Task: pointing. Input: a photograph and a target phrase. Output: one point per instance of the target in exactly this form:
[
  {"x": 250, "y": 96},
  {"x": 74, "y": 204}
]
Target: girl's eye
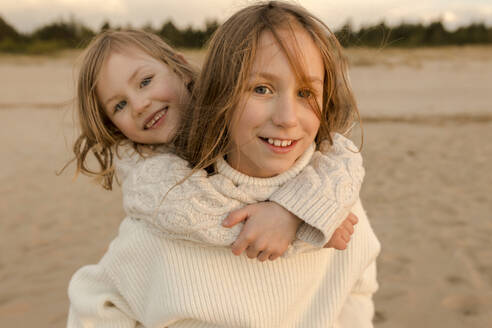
[
  {"x": 145, "y": 82},
  {"x": 262, "y": 90},
  {"x": 119, "y": 106},
  {"x": 304, "y": 93}
]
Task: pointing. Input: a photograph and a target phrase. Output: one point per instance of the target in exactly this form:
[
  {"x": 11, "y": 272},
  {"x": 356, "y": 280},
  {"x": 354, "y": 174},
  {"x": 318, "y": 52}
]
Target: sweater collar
[{"x": 239, "y": 178}]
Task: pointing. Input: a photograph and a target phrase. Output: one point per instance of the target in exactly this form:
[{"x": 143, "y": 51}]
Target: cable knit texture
[
  {"x": 321, "y": 195},
  {"x": 165, "y": 272}
]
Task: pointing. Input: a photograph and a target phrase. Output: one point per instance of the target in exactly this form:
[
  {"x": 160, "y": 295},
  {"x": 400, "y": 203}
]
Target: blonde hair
[
  {"x": 99, "y": 135},
  {"x": 205, "y": 135}
]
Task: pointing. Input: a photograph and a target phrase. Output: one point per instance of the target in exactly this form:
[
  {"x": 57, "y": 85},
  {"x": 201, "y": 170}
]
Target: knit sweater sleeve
[
  {"x": 323, "y": 193},
  {"x": 96, "y": 299},
  {"x": 162, "y": 192}
]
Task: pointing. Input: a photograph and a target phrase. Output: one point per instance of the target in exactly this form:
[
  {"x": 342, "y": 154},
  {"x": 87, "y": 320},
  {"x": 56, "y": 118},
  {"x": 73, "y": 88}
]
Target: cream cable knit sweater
[
  {"x": 156, "y": 276},
  {"x": 321, "y": 194}
]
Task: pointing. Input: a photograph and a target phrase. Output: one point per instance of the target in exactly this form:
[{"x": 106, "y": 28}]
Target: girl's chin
[{"x": 163, "y": 135}]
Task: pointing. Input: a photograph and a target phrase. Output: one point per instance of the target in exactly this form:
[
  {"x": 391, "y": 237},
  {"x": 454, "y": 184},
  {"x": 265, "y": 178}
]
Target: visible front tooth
[
  {"x": 277, "y": 143},
  {"x": 289, "y": 142},
  {"x": 155, "y": 119},
  {"x": 284, "y": 143},
  {"x": 270, "y": 141}
]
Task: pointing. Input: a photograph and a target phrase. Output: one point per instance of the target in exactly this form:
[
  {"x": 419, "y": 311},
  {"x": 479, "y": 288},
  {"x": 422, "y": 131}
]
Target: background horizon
[{"x": 27, "y": 15}]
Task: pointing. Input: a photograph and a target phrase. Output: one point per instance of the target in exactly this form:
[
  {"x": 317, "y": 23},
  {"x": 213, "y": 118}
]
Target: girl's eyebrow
[
  {"x": 110, "y": 100},
  {"x": 135, "y": 73},
  {"x": 132, "y": 77},
  {"x": 264, "y": 75},
  {"x": 315, "y": 80}
]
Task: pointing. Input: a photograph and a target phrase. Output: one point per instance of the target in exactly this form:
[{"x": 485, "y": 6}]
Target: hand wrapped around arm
[{"x": 323, "y": 193}]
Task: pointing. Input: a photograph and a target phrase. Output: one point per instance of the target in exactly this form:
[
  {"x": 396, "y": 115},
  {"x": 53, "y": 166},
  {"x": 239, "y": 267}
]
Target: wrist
[{"x": 296, "y": 220}]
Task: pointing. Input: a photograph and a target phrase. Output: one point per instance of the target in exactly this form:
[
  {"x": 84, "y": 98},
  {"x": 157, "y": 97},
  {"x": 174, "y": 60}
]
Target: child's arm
[
  {"x": 341, "y": 237},
  {"x": 269, "y": 230},
  {"x": 325, "y": 191},
  {"x": 191, "y": 210},
  {"x": 321, "y": 195},
  {"x": 160, "y": 191}
]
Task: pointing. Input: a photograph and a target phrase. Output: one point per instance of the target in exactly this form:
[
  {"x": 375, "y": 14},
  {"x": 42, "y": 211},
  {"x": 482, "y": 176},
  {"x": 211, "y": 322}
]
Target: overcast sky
[{"x": 26, "y": 15}]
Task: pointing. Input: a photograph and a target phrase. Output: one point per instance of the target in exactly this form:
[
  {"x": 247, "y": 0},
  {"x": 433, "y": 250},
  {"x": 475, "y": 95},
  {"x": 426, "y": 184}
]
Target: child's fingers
[
  {"x": 344, "y": 235},
  {"x": 276, "y": 252},
  {"x": 252, "y": 251},
  {"x": 264, "y": 255},
  {"x": 336, "y": 241},
  {"x": 353, "y": 218},
  {"x": 256, "y": 249},
  {"x": 235, "y": 217},
  {"x": 238, "y": 248},
  {"x": 339, "y": 243},
  {"x": 242, "y": 242},
  {"x": 348, "y": 227}
]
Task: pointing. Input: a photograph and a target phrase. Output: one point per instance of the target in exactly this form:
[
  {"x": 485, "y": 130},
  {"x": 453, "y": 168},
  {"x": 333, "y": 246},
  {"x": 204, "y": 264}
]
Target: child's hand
[
  {"x": 267, "y": 233},
  {"x": 341, "y": 236}
]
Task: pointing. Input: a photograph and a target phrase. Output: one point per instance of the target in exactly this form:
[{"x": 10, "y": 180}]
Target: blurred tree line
[
  {"x": 414, "y": 35},
  {"x": 73, "y": 34}
]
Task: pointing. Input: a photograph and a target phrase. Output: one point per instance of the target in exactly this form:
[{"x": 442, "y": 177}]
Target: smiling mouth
[
  {"x": 279, "y": 142},
  {"x": 154, "y": 120}
]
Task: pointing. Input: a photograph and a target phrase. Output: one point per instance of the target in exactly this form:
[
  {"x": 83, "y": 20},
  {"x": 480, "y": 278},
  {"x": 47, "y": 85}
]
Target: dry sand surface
[{"x": 427, "y": 151}]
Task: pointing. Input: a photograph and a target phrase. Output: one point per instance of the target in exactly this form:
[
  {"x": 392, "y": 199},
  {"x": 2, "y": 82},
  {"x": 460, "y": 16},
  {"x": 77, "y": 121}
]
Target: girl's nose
[
  {"x": 140, "y": 105},
  {"x": 285, "y": 113}
]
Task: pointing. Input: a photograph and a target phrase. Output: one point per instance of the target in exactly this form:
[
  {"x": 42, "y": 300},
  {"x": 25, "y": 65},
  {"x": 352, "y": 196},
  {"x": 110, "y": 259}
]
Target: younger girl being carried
[
  {"x": 258, "y": 118},
  {"x": 132, "y": 91}
]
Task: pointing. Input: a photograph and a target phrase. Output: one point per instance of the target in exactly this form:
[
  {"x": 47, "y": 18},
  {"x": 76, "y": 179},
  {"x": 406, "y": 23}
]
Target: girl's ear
[{"x": 181, "y": 58}]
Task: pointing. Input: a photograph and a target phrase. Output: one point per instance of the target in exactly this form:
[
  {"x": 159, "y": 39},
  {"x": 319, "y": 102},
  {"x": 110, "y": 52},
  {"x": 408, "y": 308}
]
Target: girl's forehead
[
  {"x": 296, "y": 44},
  {"x": 121, "y": 62},
  {"x": 131, "y": 52},
  {"x": 295, "y": 41}
]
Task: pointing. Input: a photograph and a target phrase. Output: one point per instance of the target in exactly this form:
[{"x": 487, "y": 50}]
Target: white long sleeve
[{"x": 96, "y": 302}]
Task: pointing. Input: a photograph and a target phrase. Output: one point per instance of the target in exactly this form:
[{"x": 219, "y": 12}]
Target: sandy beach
[{"x": 427, "y": 116}]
